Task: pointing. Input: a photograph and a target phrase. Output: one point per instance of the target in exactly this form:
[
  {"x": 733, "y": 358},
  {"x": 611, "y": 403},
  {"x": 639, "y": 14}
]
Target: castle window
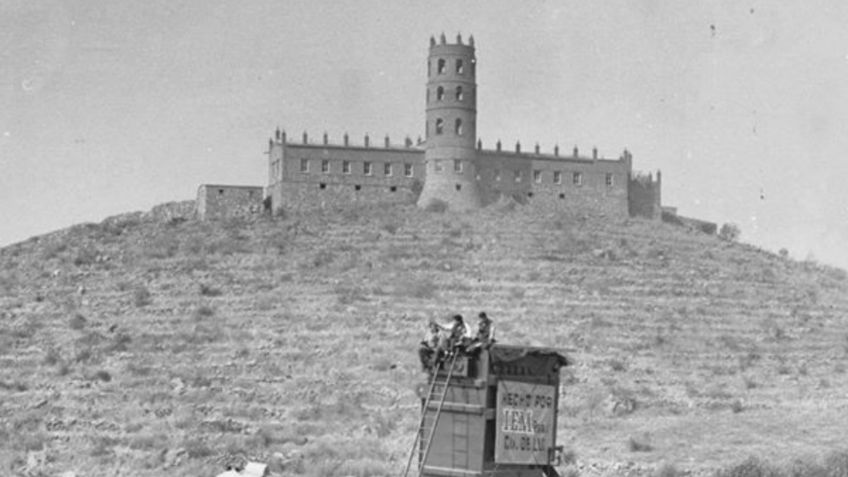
[
  {"x": 608, "y": 180},
  {"x": 459, "y": 67},
  {"x": 577, "y": 178},
  {"x": 387, "y": 168},
  {"x": 457, "y": 166},
  {"x": 325, "y": 166},
  {"x": 562, "y": 196},
  {"x": 529, "y": 194},
  {"x": 557, "y": 177},
  {"x": 220, "y": 191},
  {"x": 440, "y": 125},
  {"x": 517, "y": 176},
  {"x": 537, "y": 176},
  {"x": 437, "y": 165},
  {"x": 457, "y": 127},
  {"x": 304, "y": 165},
  {"x": 440, "y": 93},
  {"x": 458, "y": 187},
  {"x": 407, "y": 169},
  {"x": 322, "y": 186},
  {"x": 428, "y": 95},
  {"x": 429, "y": 68},
  {"x": 441, "y": 68},
  {"x": 346, "y": 167},
  {"x": 366, "y": 168},
  {"x": 357, "y": 187},
  {"x": 459, "y": 93},
  {"x": 497, "y": 175}
]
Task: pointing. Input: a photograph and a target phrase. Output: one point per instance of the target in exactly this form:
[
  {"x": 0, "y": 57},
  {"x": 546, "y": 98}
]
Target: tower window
[
  {"x": 387, "y": 168},
  {"x": 562, "y": 196},
  {"x": 407, "y": 169},
  {"x": 458, "y": 187},
  {"x": 428, "y": 95},
  {"x": 608, "y": 180},
  {"x": 517, "y": 176},
  {"x": 459, "y": 67},
  {"x": 357, "y": 187},
  {"x": 346, "y": 167},
  {"x": 459, "y": 93},
  {"x": 537, "y": 176},
  {"x": 457, "y": 127},
  {"x": 437, "y": 165},
  {"x": 220, "y": 191},
  {"x": 366, "y": 168},
  {"x": 577, "y": 178},
  {"x": 322, "y": 186},
  {"x": 393, "y": 189},
  {"x": 557, "y": 177},
  {"x": 457, "y": 166},
  {"x": 440, "y": 93},
  {"x": 304, "y": 165},
  {"x": 429, "y": 68},
  {"x": 441, "y": 68},
  {"x": 325, "y": 166},
  {"x": 440, "y": 125},
  {"x": 497, "y": 175}
]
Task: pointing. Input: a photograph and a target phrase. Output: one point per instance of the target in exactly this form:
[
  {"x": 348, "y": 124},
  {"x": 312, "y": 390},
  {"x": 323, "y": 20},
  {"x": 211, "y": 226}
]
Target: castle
[{"x": 449, "y": 168}]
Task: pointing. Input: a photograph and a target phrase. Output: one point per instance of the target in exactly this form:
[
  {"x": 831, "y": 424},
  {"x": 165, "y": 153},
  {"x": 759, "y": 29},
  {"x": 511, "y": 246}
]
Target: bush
[
  {"x": 437, "y": 206},
  {"x": 637, "y": 445},
  {"x": 142, "y": 297},
  {"x": 77, "y": 322},
  {"x": 729, "y": 232},
  {"x": 206, "y": 290}
]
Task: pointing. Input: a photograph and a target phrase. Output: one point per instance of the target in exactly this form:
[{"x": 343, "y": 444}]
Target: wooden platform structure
[{"x": 492, "y": 413}]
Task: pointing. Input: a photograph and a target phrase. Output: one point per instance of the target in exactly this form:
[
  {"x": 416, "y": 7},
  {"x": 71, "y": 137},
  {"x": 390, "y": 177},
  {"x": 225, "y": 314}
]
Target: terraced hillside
[{"x": 145, "y": 347}]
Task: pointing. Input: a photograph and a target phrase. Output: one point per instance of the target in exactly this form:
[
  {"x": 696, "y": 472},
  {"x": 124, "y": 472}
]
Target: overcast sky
[{"x": 111, "y": 107}]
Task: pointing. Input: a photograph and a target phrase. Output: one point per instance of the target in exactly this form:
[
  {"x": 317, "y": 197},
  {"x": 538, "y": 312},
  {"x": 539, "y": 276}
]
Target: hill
[{"x": 145, "y": 345}]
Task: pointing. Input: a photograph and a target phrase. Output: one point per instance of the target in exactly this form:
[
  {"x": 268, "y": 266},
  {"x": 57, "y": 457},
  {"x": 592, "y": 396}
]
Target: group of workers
[{"x": 455, "y": 337}]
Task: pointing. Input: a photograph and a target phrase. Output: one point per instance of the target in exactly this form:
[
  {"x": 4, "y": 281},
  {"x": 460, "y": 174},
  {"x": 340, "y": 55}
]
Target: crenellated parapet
[{"x": 281, "y": 139}]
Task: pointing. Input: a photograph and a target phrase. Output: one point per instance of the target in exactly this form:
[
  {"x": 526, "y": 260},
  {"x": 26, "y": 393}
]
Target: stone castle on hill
[{"x": 448, "y": 168}]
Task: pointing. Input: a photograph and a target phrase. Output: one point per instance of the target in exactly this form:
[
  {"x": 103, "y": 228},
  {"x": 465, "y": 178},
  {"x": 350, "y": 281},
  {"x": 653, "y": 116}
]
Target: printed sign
[{"x": 525, "y": 423}]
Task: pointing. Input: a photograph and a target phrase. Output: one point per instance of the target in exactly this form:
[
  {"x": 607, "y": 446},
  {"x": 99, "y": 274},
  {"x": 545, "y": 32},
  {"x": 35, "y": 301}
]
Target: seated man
[
  {"x": 485, "y": 333},
  {"x": 429, "y": 350}
]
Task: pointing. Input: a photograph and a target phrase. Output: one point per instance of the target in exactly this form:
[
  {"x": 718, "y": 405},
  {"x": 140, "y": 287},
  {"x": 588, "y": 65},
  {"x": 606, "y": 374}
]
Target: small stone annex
[{"x": 449, "y": 167}]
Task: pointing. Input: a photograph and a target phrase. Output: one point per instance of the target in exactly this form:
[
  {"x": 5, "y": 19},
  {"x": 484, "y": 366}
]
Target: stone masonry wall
[{"x": 224, "y": 201}]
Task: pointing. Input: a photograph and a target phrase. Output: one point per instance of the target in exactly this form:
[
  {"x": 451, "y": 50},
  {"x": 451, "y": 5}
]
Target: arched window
[
  {"x": 428, "y": 95},
  {"x": 426, "y": 128},
  {"x": 440, "y": 93},
  {"x": 441, "y": 68},
  {"x": 459, "y": 67},
  {"x": 440, "y": 125},
  {"x": 429, "y": 68},
  {"x": 457, "y": 127},
  {"x": 459, "y": 93}
]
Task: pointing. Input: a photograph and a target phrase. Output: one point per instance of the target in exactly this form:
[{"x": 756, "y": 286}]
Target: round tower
[{"x": 451, "y": 129}]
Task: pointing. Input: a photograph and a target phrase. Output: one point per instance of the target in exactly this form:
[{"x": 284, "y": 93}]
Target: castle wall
[
  {"x": 549, "y": 182},
  {"x": 644, "y": 196},
  {"x": 320, "y": 176},
  {"x": 223, "y": 201}
]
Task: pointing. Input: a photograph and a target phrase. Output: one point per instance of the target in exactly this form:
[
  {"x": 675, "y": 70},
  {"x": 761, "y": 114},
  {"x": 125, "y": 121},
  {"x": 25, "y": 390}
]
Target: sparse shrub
[
  {"x": 206, "y": 290},
  {"x": 83, "y": 355},
  {"x": 436, "y": 206},
  {"x": 639, "y": 445},
  {"x": 417, "y": 288},
  {"x": 751, "y": 467},
  {"x": 729, "y": 232},
  {"x": 203, "y": 311},
  {"x": 52, "y": 357},
  {"x": 569, "y": 457},
  {"x": 617, "y": 365},
  {"x": 836, "y": 464},
  {"x": 737, "y": 406},
  {"x": 390, "y": 227},
  {"x": 196, "y": 448},
  {"x": 142, "y": 297},
  {"x": 749, "y": 382},
  {"x": 85, "y": 256},
  {"x": 102, "y": 375},
  {"x": 77, "y": 322},
  {"x": 516, "y": 293},
  {"x": 322, "y": 258},
  {"x": 666, "y": 469}
]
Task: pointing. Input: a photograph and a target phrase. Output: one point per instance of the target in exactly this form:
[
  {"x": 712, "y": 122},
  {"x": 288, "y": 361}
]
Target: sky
[{"x": 112, "y": 107}]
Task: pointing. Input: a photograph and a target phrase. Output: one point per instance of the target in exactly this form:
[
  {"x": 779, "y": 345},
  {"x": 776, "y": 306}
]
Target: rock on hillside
[{"x": 139, "y": 344}]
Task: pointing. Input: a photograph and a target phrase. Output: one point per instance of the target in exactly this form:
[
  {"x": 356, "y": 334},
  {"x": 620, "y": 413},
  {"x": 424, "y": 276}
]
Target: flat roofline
[{"x": 227, "y": 186}]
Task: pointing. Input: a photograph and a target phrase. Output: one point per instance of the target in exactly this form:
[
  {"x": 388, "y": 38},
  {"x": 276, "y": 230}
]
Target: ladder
[{"x": 430, "y": 430}]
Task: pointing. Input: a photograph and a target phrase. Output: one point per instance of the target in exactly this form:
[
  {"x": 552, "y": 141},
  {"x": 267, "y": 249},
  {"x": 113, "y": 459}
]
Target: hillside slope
[{"x": 138, "y": 345}]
